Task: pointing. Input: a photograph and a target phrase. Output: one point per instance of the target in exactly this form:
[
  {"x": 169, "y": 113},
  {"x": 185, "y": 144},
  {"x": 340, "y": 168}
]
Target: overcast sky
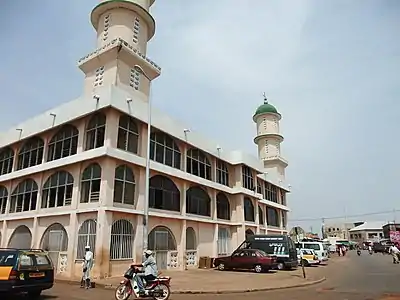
[{"x": 330, "y": 67}]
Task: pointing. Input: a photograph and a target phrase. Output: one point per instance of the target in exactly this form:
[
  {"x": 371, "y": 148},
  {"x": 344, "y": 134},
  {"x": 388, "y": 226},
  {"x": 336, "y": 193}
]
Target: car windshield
[
  {"x": 311, "y": 246},
  {"x": 308, "y": 252},
  {"x": 7, "y": 258}
]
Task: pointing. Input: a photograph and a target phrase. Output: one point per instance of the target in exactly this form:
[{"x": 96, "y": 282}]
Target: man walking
[
  {"x": 87, "y": 267},
  {"x": 395, "y": 253}
]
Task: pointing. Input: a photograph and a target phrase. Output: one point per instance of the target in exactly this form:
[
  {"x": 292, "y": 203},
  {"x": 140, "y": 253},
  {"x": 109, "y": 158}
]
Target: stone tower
[
  {"x": 269, "y": 139},
  {"x": 123, "y": 29}
]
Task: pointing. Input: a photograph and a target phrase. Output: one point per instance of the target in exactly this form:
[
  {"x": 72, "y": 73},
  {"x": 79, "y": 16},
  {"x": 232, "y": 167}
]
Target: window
[
  {"x": 198, "y": 202},
  {"x": 247, "y": 178},
  {"x": 3, "y": 200},
  {"x": 134, "y": 79},
  {"x": 57, "y": 191},
  {"x": 124, "y": 185},
  {"x": 122, "y": 240},
  {"x": 198, "y": 164},
  {"x": 222, "y": 173},
  {"x": 260, "y": 215},
  {"x": 164, "y": 194},
  {"x": 6, "y": 160},
  {"x": 24, "y": 197},
  {"x": 128, "y": 134},
  {"x": 283, "y": 197},
  {"x": 86, "y": 237},
  {"x": 107, "y": 24},
  {"x": 64, "y": 143},
  {"x": 31, "y": 153},
  {"x": 164, "y": 150},
  {"x": 26, "y": 260},
  {"x": 95, "y": 132},
  {"x": 223, "y": 243},
  {"x": 260, "y": 187},
  {"x": 190, "y": 239},
  {"x": 90, "y": 184},
  {"x": 98, "y": 81},
  {"x": 42, "y": 260},
  {"x": 223, "y": 207},
  {"x": 248, "y": 210},
  {"x": 271, "y": 192},
  {"x": 272, "y": 217},
  {"x": 136, "y": 27}
]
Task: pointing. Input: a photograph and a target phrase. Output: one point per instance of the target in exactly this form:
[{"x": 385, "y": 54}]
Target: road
[{"x": 368, "y": 277}]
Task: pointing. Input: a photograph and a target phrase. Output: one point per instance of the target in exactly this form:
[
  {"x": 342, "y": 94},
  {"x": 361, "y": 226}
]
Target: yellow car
[{"x": 308, "y": 257}]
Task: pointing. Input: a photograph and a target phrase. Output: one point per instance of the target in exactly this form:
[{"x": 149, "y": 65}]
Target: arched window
[
  {"x": 124, "y": 185},
  {"x": 271, "y": 192},
  {"x": 163, "y": 149},
  {"x": 95, "y": 132},
  {"x": 21, "y": 238},
  {"x": 31, "y": 153},
  {"x": 190, "y": 239},
  {"x": 248, "y": 210},
  {"x": 223, "y": 207},
  {"x": 260, "y": 215},
  {"x": 90, "y": 184},
  {"x": 247, "y": 178},
  {"x": 224, "y": 240},
  {"x": 24, "y": 196},
  {"x": 57, "y": 191},
  {"x": 198, "y": 202},
  {"x": 272, "y": 217},
  {"x": 161, "y": 240},
  {"x": 198, "y": 164},
  {"x": 86, "y": 237},
  {"x": 164, "y": 194},
  {"x": 222, "y": 172},
  {"x": 122, "y": 238},
  {"x": 260, "y": 187},
  {"x": 64, "y": 143},
  {"x": 6, "y": 160},
  {"x": 128, "y": 134},
  {"x": 3, "y": 199}
]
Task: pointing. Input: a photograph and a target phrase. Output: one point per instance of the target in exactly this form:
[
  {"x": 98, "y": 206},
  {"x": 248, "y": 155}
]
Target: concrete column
[
  {"x": 3, "y": 235},
  {"x": 138, "y": 242},
  {"x": 182, "y": 247},
  {"x": 107, "y": 182},
  {"x": 8, "y": 203},
  {"x": 103, "y": 238},
  {"x": 213, "y": 204},
  {"x": 35, "y": 238},
  {"x": 111, "y": 135},
  {"x": 183, "y": 198},
  {"x": 81, "y": 137},
  {"x": 140, "y": 187},
  {"x": 72, "y": 244},
  {"x": 215, "y": 243},
  {"x": 257, "y": 215}
]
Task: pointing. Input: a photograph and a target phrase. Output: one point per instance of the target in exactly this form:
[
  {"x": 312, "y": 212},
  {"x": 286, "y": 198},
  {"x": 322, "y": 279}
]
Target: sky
[{"x": 330, "y": 67}]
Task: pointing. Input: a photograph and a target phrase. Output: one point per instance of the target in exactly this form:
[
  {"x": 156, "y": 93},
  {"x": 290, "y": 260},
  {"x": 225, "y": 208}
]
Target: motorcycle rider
[
  {"x": 395, "y": 253},
  {"x": 150, "y": 271}
]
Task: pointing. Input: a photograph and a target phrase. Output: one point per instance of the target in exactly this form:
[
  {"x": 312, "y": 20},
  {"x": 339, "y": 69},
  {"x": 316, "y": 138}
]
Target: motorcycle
[
  {"x": 158, "y": 289},
  {"x": 370, "y": 252},
  {"x": 358, "y": 252}
]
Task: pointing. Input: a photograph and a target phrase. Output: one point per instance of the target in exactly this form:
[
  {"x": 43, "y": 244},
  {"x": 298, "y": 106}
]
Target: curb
[{"x": 303, "y": 284}]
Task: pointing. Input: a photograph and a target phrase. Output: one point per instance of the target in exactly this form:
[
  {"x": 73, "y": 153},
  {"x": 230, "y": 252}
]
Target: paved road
[{"x": 353, "y": 278}]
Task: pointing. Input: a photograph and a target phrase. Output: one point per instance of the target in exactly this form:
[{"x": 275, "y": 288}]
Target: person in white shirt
[
  {"x": 87, "y": 266},
  {"x": 395, "y": 254}
]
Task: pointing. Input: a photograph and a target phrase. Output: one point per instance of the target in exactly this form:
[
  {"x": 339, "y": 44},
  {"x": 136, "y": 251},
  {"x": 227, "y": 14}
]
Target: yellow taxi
[
  {"x": 25, "y": 271},
  {"x": 308, "y": 257}
]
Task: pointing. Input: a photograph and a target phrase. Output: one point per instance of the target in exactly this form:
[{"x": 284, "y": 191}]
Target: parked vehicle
[
  {"x": 281, "y": 246},
  {"x": 159, "y": 289},
  {"x": 25, "y": 271},
  {"x": 307, "y": 257},
  {"x": 318, "y": 248},
  {"x": 382, "y": 246},
  {"x": 250, "y": 259}
]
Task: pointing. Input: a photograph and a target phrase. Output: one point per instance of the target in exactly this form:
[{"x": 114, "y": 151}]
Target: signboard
[{"x": 395, "y": 237}]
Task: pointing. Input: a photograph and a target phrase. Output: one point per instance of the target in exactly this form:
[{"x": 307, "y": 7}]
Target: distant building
[
  {"x": 392, "y": 231},
  {"x": 339, "y": 230},
  {"x": 367, "y": 231}
]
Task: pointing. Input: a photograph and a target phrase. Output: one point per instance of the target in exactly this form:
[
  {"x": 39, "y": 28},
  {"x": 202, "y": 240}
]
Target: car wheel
[
  {"x": 34, "y": 294},
  {"x": 221, "y": 267},
  {"x": 281, "y": 266},
  {"x": 258, "y": 268}
]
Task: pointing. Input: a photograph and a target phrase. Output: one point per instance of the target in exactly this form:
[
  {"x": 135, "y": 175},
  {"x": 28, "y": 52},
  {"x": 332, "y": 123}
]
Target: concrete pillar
[
  {"x": 182, "y": 247},
  {"x": 138, "y": 242},
  {"x": 111, "y": 134},
  {"x": 81, "y": 137},
  {"x": 213, "y": 196},
  {"x": 215, "y": 243},
  {"x": 107, "y": 182},
  {"x": 183, "y": 198},
  {"x": 35, "y": 238},
  {"x": 72, "y": 244},
  {"x": 103, "y": 238},
  {"x": 3, "y": 240}
]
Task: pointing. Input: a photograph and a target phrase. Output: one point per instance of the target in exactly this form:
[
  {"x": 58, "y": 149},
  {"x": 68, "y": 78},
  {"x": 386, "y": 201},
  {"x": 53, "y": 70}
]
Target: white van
[{"x": 318, "y": 248}]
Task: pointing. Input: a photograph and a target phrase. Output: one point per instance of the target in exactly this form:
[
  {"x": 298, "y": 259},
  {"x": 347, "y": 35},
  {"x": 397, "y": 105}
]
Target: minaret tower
[
  {"x": 269, "y": 139},
  {"x": 123, "y": 29}
]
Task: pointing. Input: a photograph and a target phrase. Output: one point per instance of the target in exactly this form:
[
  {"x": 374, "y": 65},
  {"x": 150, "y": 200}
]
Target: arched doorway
[
  {"x": 55, "y": 241},
  {"x": 162, "y": 242},
  {"x": 21, "y": 238},
  {"x": 191, "y": 247},
  {"x": 249, "y": 232}
]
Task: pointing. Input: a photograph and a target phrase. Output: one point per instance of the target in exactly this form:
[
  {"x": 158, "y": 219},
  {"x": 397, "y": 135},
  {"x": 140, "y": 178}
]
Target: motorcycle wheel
[
  {"x": 122, "y": 292},
  {"x": 162, "y": 289}
]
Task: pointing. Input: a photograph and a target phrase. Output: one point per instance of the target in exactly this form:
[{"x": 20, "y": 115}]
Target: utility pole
[{"x": 323, "y": 228}]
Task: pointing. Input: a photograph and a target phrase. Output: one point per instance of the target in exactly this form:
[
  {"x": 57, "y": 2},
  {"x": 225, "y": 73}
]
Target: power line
[{"x": 347, "y": 216}]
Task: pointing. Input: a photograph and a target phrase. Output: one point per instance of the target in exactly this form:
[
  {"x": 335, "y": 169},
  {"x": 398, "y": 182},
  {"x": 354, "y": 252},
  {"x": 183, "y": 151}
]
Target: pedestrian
[
  {"x": 87, "y": 267},
  {"x": 395, "y": 253}
]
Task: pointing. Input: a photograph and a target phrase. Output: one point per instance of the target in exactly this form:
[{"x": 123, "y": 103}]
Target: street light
[{"x": 140, "y": 70}]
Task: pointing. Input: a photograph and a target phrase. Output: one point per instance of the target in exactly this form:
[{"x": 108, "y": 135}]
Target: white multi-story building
[{"x": 75, "y": 175}]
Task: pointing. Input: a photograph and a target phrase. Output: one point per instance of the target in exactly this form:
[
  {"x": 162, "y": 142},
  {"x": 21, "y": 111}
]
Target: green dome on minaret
[{"x": 266, "y": 108}]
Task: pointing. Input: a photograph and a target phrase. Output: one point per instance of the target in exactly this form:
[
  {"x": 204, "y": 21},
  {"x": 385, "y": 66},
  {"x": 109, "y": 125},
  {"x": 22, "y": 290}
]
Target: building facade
[
  {"x": 75, "y": 175},
  {"x": 339, "y": 230},
  {"x": 368, "y": 231}
]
